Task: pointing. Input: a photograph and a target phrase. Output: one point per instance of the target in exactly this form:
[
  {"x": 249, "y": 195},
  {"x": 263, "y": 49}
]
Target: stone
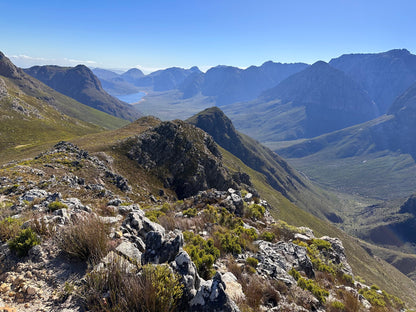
[
  {"x": 275, "y": 260},
  {"x": 129, "y": 250},
  {"x": 33, "y": 194},
  {"x": 337, "y": 254},
  {"x": 161, "y": 249},
  {"x": 232, "y": 287},
  {"x": 211, "y": 297}
]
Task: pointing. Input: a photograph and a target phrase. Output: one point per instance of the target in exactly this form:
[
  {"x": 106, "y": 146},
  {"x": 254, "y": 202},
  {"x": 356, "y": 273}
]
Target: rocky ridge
[{"x": 253, "y": 254}]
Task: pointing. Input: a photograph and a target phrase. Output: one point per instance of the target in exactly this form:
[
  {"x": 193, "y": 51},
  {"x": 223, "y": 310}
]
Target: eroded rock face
[
  {"x": 183, "y": 156},
  {"x": 161, "y": 249},
  {"x": 275, "y": 260},
  {"x": 337, "y": 254}
]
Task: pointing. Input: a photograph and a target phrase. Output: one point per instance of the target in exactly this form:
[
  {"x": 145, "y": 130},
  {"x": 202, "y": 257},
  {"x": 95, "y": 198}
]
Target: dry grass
[
  {"x": 87, "y": 239},
  {"x": 121, "y": 287}
]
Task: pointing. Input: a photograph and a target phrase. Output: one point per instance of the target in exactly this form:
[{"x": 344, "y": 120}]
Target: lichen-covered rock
[
  {"x": 276, "y": 259},
  {"x": 161, "y": 249},
  {"x": 211, "y": 297},
  {"x": 129, "y": 251},
  {"x": 337, "y": 254}
]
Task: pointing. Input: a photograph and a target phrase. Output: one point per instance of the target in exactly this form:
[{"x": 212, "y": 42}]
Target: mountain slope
[
  {"x": 373, "y": 270},
  {"x": 32, "y": 114},
  {"x": 314, "y": 101},
  {"x": 277, "y": 171},
  {"x": 383, "y": 75},
  {"x": 82, "y": 85}
]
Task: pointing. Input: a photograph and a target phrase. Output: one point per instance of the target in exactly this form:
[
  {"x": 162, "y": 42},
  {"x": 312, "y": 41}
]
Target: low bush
[
  {"x": 255, "y": 211},
  {"x": 202, "y": 252},
  {"x": 190, "y": 213},
  {"x": 154, "y": 215},
  {"x": 9, "y": 228},
  {"x": 314, "y": 288},
  {"x": 228, "y": 242},
  {"x": 23, "y": 241},
  {"x": 336, "y": 306},
  {"x": 321, "y": 244},
  {"x": 86, "y": 240},
  {"x": 56, "y": 205},
  {"x": 253, "y": 262},
  {"x": 121, "y": 288},
  {"x": 268, "y": 236}
]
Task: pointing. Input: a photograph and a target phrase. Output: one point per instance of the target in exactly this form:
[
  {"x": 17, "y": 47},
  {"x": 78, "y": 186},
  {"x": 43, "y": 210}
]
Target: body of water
[{"x": 131, "y": 98}]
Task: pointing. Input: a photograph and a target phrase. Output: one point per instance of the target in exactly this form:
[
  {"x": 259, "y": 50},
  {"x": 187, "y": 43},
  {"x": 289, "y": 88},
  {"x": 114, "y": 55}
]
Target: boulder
[
  {"x": 211, "y": 297},
  {"x": 129, "y": 251},
  {"x": 161, "y": 249}
]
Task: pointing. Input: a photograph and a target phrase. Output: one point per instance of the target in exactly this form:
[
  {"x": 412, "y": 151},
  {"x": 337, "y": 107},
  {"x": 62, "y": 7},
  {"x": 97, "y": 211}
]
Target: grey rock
[
  {"x": 275, "y": 260},
  {"x": 114, "y": 202},
  {"x": 161, "y": 249},
  {"x": 33, "y": 194},
  {"x": 129, "y": 251},
  {"x": 337, "y": 254},
  {"x": 211, "y": 297}
]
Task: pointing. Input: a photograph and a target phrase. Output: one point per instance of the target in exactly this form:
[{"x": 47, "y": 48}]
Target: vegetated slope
[
  {"x": 383, "y": 75},
  {"x": 317, "y": 100},
  {"x": 373, "y": 270},
  {"x": 277, "y": 171},
  {"x": 27, "y": 120},
  {"x": 383, "y": 150},
  {"x": 82, "y": 85},
  {"x": 227, "y": 84}
]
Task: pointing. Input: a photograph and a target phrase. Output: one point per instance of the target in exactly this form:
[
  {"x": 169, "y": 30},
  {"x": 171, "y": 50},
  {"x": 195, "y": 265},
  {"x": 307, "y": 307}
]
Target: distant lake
[{"x": 131, "y": 98}]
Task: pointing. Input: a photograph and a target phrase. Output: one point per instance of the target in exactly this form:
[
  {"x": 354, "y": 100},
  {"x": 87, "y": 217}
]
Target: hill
[
  {"x": 32, "y": 113},
  {"x": 317, "y": 100},
  {"x": 82, "y": 85},
  {"x": 384, "y": 76}
]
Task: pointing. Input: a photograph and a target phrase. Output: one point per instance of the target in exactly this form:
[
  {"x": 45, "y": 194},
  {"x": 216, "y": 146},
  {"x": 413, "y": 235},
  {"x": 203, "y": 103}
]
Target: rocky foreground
[{"x": 76, "y": 236}]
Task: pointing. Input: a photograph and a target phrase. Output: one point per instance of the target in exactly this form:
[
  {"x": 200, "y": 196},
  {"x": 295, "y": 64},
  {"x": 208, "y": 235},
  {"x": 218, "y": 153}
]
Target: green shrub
[
  {"x": 253, "y": 262},
  {"x": 9, "y": 228},
  {"x": 202, "y": 252},
  {"x": 255, "y": 211},
  {"x": 87, "y": 239},
  {"x": 337, "y": 306},
  {"x": 295, "y": 274},
  {"x": 24, "y": 240},
  {"x": 373, "y": 297},
  {"x": 153, "y": 215},
  {"x": 165, "y": 208},
  {"x": 314, "y": 288},
  {"x": 190, "y": 213},
  {"x": 321, "y": 244},
  {"x": 268, "y": 236},
  {"x": 56, "y": 205},
  {"x": 229, "y": 242}
]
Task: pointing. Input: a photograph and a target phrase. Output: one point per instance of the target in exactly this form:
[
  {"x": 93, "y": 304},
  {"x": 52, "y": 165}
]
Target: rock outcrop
[{"x": 183, "y": 156}]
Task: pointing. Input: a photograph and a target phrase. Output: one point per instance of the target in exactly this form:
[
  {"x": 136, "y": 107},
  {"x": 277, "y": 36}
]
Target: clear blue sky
[{"x": 153, "y": 34}]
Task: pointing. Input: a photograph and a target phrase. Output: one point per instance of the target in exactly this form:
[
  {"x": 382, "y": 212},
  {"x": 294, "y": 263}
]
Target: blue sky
[{"x": 157, "y": 34}]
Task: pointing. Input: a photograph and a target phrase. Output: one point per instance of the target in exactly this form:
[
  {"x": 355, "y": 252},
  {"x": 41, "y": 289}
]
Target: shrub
[
  {"x": 56, "y": 205},
  {"x": 253, "y": 262},
  {"x": 154, "y": 215},
  {"x": 228, "y": 242},
  {"x": 9, "y": 228},
  {"x": 295, "y": 274},
  {"x": 255, "y": 211},
  {"x": 190, "y": 213},
  {"x": 314, "y": 288},
  {"x": 202, "y": 252},
  {"x": 142, "y": 289},
  {"x": 268, "y": 236},
  {"x": 321, "y": 244},
  {"x": 85, "y": 240},
  {"x": 336, "y": 306},
  {"x": 24, "y": 240}
]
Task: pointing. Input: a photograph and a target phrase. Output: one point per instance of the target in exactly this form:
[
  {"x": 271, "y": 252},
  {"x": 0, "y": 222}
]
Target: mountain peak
[{"x": 7, "y": 68}]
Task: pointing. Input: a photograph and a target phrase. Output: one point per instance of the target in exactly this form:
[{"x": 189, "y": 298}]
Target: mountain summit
[{"x": 82, "y": 85}]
